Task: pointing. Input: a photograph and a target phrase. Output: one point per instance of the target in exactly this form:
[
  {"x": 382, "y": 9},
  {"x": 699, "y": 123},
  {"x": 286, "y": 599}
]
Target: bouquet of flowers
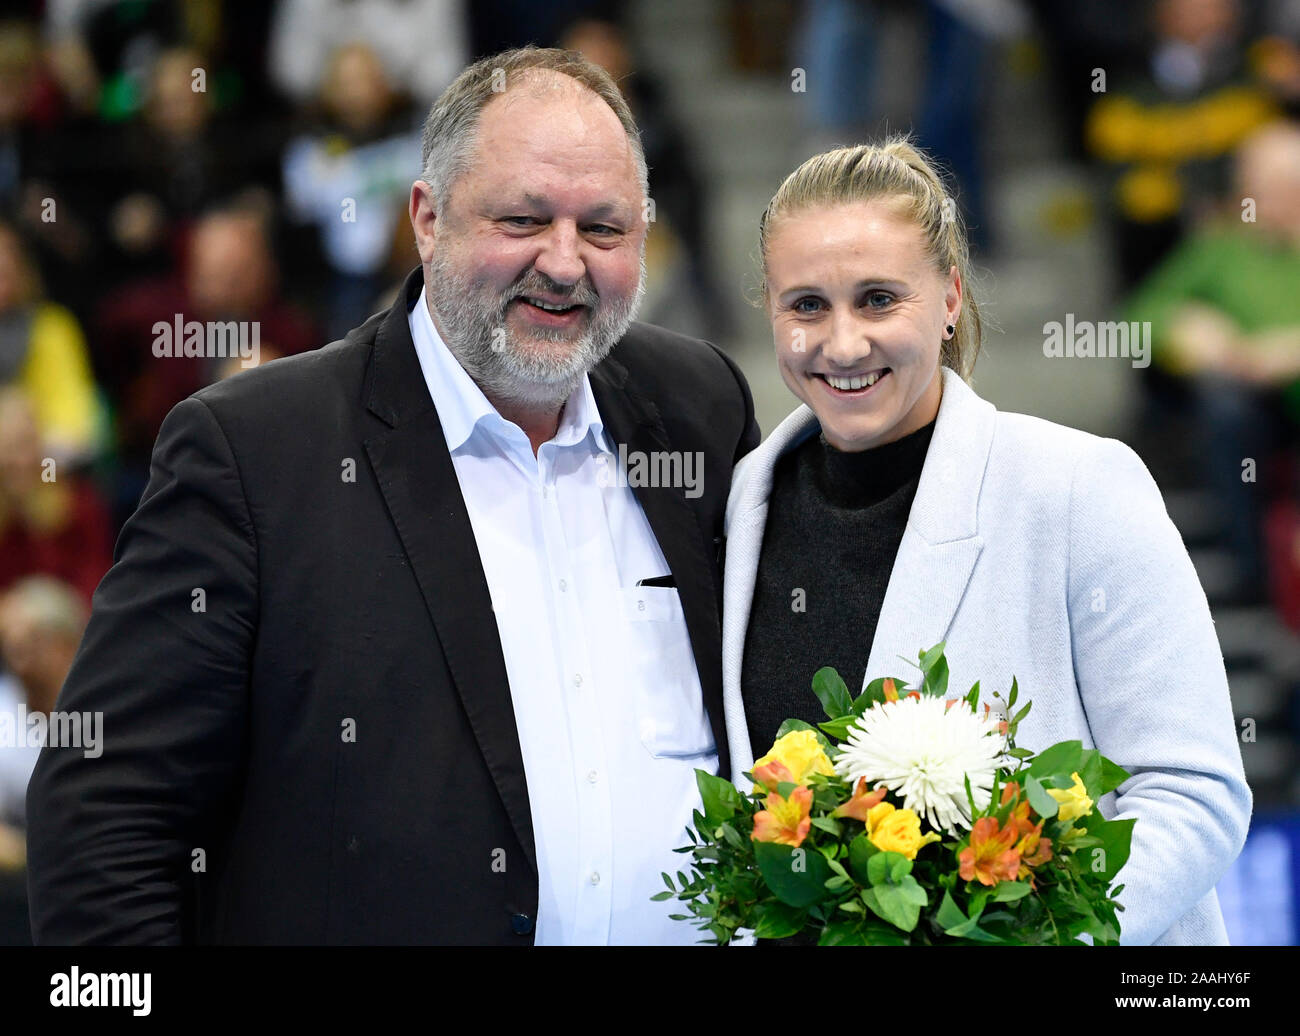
[{"x": 908, "y": 818}]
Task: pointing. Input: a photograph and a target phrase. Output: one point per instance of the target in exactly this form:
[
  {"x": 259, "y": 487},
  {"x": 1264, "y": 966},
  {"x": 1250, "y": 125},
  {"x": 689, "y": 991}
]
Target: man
[{"x": 378, "y": 658}]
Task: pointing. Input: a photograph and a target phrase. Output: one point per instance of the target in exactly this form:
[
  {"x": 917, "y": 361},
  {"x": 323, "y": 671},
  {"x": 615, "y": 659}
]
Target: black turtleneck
[{"x": 834, "y": 523}]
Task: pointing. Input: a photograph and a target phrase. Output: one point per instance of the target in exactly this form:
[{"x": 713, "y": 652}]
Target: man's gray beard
[{"x": 472, "y": 319}]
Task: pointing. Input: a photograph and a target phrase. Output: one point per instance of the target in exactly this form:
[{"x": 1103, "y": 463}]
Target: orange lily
[
  {"x": 787, "y": 821},
  {"x": 860, "y": 805},
  {"x": 772, "y": 774},
  {"x": 1033, "y": 848},
  {"x": 990, "y": 857}
]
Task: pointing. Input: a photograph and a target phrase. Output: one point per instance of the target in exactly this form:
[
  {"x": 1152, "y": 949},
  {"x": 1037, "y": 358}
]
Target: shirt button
[
  {"x": 640, "y": 606},
  {"x": 591, "y": 777},
  {"x": 563, "y": 586},
  {"x": 595, "y": 878},
  {"x": 577, "y": 679}
]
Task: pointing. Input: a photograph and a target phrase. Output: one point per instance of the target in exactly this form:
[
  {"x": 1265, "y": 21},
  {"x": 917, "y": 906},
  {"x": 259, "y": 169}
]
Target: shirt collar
[{"x": 463, "y": 408}]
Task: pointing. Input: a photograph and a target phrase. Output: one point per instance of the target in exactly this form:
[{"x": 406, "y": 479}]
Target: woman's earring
[{"x": 951, "y": 329}]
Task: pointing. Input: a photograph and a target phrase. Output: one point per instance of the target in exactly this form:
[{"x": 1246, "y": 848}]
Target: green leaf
[
  {"x": 832, "y": 692},
  {"x": 1044, "y": 805},
  {"x": 659, "y": 897},
  {"x": 778, "y": 921},
  {"x": 838, "y": 728},
  {"x": 949, "y": 914},
  {"x": 828, "y": 824},
  {"x": 872, "y": 694},
  {"x": 899, "y": 867},
  {"x": 843, "y": 933},
  {"x": 973, "y": 696},
  {"x": 899, "y": 904},
  {"x": 1010, "y": 891},
  {"x": 1090, "y": 772},
  {"x": 1064, "y": 757},
  {"x": 720, "y": 797},
  {"x": 1112, "y": 776},
  {"x": 930, "y": 658},
  {"x": 935, "y": 683},
  {"x": 795, "y": 876},
  {"x": 878, "y": 869},
  {"x": 877, "y": 933},
  {"x": 1116, "y": 837},
  {"x": 861, "y": 850}
]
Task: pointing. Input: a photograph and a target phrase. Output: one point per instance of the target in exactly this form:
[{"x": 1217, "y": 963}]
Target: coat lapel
[
  {"x": 941, "y": 543},
  {"x": 634, "y": 420},
  {"x": 420, "y": 487},
  {"x": 746, "y": 519}
]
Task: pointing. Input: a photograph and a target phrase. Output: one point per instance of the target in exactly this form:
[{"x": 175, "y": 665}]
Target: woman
[{"x": 895, "y": 509}]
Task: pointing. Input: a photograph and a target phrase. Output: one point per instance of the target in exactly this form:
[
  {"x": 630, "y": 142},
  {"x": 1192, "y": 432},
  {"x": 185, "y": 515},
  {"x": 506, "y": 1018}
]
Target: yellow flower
[
  {"x": 799, "y": 752},
  {"x": 1074, "y": 800},
  {"x": 897, "y": 830}
]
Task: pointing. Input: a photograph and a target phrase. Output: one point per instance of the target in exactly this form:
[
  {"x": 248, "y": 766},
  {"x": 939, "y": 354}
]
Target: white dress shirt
[{"x": 606, "y": 696}]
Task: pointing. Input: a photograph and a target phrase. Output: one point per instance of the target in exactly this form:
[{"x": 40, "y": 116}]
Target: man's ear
[{"x": 424, "y": 217}]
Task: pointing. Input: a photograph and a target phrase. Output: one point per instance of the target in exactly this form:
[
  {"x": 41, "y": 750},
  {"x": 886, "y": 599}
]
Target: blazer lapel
[
  {"x": 746, "y": 520},
  {"x": 633, "y": 420},
  {"x": 422, "y": 492},
  {"x": 941, "y": 542}
]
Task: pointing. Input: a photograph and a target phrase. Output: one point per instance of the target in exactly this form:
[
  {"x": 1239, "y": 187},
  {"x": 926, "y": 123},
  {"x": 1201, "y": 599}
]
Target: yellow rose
[
  {"x": 898, "y": 831},
  {"x": 1074, "y": 801},
  {"x": 799, "y": 752}
]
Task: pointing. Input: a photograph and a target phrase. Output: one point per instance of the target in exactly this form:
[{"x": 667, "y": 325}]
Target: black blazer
[{"x": 307, "y": 728}]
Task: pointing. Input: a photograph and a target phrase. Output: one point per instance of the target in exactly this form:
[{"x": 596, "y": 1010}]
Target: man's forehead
[{"x": 539, "y": 168}]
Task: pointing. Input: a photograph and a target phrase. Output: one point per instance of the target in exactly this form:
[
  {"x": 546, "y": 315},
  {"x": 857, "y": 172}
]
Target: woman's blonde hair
[{"x": 895, "y": 169}]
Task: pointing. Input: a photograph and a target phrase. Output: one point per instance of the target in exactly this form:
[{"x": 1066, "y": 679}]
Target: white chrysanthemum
[{"x": 922, "y": 749}]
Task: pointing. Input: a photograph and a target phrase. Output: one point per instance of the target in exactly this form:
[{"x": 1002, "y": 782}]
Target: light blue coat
[{"x": 1043, "y": 552}]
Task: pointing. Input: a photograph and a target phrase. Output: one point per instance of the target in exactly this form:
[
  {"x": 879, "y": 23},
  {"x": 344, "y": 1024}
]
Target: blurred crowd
[{"x": 164, "y": 160}]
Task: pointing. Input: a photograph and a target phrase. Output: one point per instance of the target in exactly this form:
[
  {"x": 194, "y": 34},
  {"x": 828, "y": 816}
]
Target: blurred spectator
[
  {"x": 52, "y": 522},
  {"x": 422, "y": 44},
  {"x": 177, "y": 160},
  {"x": 1166, "y": 135},
  {"x": 1078, "y": 38},
  {"x": 228, "y": 274},
  {"x": 123, "y": 41},
  {"x": 676, "y": 187},
  {"x": 351, "y": 177},
  {"x": 497, "y": 25},
  {"x": 41, "y": 622},
  {"x": 838, "y": 51},
  {"x": 1275, "y": 56},
  {"x": 43, "y": 353},
  {"x": 1225, "y": 315}
]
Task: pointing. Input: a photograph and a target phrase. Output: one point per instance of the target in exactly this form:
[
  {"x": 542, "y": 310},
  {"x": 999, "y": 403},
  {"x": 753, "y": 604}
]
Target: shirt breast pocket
[{"x": 669, "y": 703}]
